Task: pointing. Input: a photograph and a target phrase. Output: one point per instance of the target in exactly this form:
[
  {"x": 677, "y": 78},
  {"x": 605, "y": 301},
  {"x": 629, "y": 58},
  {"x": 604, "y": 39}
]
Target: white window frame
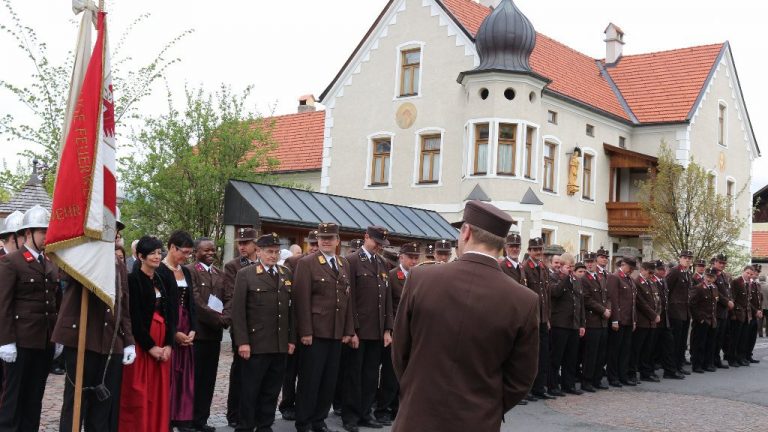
[
  {"x": 535, "y": 157},
  {"x": 590, "y": 245},
  {"x": 731, "y": 179},
  {"x": 556, "y": 168},
  {"x": 417, "y": 156},
  {"x": 593, "y": 153},
  {"x": 405, "y": 46},
  {"x": 493, "y": 148},
  {"x": 369, "y": 160},
  {"x": 552, "y": 228},
  {"x": 724, "y": 104}
]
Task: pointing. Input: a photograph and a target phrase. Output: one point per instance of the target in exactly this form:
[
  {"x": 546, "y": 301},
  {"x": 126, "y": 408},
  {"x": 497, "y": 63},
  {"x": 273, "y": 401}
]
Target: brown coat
[
  {"x": 292, "y": 260},
  {"x": 661, "y": 287},
  {"x": 741, "y": 309},
  {"x": 621, "y": 294},
  {"x": 230, "y": 272},
  {"x": 466, "y": 346},
  {"x": 322, "y": 298},
  {"x": 371, "y": 295},
  {"x": 704, "y": 304},
  {"x": 755, "y": 299},
  {"x": 262, "y": 310},
  {"x": 647, "y": 303},
  {"x": 101, "y": 318},
  {"x": 568, "y": 304},
  {"x": 210, "y": 324},
  {"x": 679, "y": 283},
  {"x": 723, "y": 284},
  {"x": 510, "y": 270},
  {"x": 537, "y": 279},
  {"x": 27, "y": 300},
  {"x": 397, "y": 280},
  {"x": 595, "y": 300}
]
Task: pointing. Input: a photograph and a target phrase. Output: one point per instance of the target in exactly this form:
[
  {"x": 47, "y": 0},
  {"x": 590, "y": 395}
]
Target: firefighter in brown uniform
[
  {"x": 324, "y": 323},
  {"x": 264, "y": 333},
  {"x": 621, "y": 294},
  {"x": 372, "y": 306},
  {"x": 287, "y": 405},
  {"x": 665, "y": 341},
  {"x": 465, "y": 346},
  {"x": 740, "y": 317},
  {"x": 536, "y": 278},
  {"x": 724, "y": 305},
  {"x": 354, "y": 245},
  {"x": 11, "y": 240},
  {"x": 246, "y": 245},
  {"x": 208, "y": 282},
  {"x": 568, "y": 327},
  {"x": 429, "y": 252},
  {"x": 679, "y": 282},
  {"x": 648, "y": 314},
  {"x": 598, "y": 311},
  {"x": 510, "y": 264},
  {"x": 443, "y": 249},
  {"x": 387, "y": 404},
  {"x": 755, "y": 303},
  {"x": 104, "y": 359},
  {"x": 703, "y": 316},
  {"x": 27, "y": 319}
]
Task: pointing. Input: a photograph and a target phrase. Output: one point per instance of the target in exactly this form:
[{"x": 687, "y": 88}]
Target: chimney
[
  {"x": 614, "y": 40},
  {"x": 307, "y": 103},
  {"x": 489, "y": 3}
]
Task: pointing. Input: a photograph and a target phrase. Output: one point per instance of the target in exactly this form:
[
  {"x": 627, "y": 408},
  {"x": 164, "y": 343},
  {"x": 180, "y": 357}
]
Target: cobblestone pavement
[{"x": 732, "y": 400}]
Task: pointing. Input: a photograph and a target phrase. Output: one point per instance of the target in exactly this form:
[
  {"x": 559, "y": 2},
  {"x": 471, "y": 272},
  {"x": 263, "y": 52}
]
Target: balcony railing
[{"x": 626, "y": 219}]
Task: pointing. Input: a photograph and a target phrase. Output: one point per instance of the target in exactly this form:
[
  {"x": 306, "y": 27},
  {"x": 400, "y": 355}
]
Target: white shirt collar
[
  {"x": 206, "y": 267},
  {"x": 483, "y": 254},
  {"x": 33, "y": 251},
  {"x": 328, "y": 258},
  {"x": 368, "y": 254},
  {"x": 514, "y": 263},
  {"x": 404, "y": 270}
]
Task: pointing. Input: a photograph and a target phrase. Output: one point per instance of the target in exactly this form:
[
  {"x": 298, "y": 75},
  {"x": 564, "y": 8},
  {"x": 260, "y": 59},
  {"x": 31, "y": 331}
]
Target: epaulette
[{"x": 425, "y": 263}]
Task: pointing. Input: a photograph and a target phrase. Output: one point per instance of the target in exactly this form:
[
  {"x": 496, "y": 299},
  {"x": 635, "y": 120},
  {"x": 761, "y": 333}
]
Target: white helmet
[
  {"x": 36, "y": 217},
  {"x": 118, "y": 220},
  {"x": 12, "y": 223}
]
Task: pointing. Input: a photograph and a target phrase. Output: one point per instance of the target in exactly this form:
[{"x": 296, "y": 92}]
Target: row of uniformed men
[
  {"x": 594, "y": 322},
  {"x": 318, "y": 327}
]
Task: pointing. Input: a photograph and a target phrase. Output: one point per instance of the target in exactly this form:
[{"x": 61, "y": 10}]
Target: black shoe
[
  {"x": 58, "y": 370},
  {"x": 370, "y": 423},
  {"x": 687, "y": 362},
  {"x": 673, "y": 375},
  {"x": 744, "y": 362},
  {"x": 600, "y": 386},
  {"x": 544, "y": 396},
  {"x": 522, "y": 402},
  {"x": 684, "y": 371},
  {"x": 710, "y": 369},
  {"x": 384, "y": 419},
  {"x": 531, "y": 398},
  {"x": 289, "y": 414},
  {"x": 588, "y": 388},
  {"x": 628, "y": 383},
  {"x": 349, "y": 427},
  {"x": 574, "y": 391},
  {"x": 650, "y": 378},
  {"x": 722, "y": 366},
  {"x": 556, "y": 392},
  {"x": 698, "y": 369},
  {"x": 734, "y": 363},
  {"x": 751, "y": 360},
  {"x": 325, "y": 428},
  {"x": 615, "y": 384},
  {"x": 205, "y": 428}
]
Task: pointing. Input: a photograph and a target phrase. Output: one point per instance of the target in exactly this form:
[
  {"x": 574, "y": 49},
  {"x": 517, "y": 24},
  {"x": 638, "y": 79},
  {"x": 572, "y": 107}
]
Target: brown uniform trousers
[
  {"x": 288, "y": 396},
  {"x": 739, "y": 319},
  {"x": 596, "y": 337},
  {"x": 648, "y": 307},
  {"x": 704, "y": 317},
  {"x": 755, "y": 300},
  {"x": 621, "y": 294},
  {"x": 512, "y": 270},
  {"x": 387, "y": 400},
  {"x": 567, "y": 319},
  {"x": 723, "y": 284},
  {"x": 262, "y": 318},
  {"x": 679, "y": 283},
  {"x": 537, "y": 280},
  {"x": 27, "y": 318}
]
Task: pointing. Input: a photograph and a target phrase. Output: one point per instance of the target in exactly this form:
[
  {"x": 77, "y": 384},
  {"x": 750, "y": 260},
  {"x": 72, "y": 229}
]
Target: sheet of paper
[{"x": 215, "y": 303}]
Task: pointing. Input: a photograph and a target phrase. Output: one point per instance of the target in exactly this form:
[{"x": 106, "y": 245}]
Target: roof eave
[{"x": 588, "y": 107}]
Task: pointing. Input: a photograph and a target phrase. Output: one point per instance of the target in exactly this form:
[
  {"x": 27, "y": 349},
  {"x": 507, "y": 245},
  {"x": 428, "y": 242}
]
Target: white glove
[
  {"x": 8, "y": 352},
  {"x": 129, "y": 354},
  {"x": 57, "y": 352}
]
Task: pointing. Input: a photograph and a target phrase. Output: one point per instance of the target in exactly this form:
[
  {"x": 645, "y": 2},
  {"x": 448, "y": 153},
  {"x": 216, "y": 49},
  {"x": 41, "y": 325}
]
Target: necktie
[
  {"x": 333, "y": 265},
  {"x": 41, "y": 260}
]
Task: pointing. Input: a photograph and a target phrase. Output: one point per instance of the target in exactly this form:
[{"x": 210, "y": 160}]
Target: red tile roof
[
  {"x": 658, "y": 87},
  {"x": 760, "y": 244},
  {"x": 663, "y": 86},
  {"x": 299, "y": 139}
]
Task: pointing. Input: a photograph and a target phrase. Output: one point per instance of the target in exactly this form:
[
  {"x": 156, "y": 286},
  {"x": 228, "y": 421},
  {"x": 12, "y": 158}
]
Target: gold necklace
[{"x": 175, "y": 269}]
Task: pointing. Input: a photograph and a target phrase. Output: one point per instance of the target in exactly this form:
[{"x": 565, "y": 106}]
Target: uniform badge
[
  {"x": 28, "y": 256},
  {"x": 280, "y": 269},
  {"x": 509, "y": 264},
  {"x": 259, "y": 269},
  {"x": 363, "y": 257},
  {"x": 530, "y": 264},
  {"x": 287, "y": 283},
  {"x": 401, "y": 275},
  {"x": 384, "y": 276},
  {"x": 321, "y": 259}
]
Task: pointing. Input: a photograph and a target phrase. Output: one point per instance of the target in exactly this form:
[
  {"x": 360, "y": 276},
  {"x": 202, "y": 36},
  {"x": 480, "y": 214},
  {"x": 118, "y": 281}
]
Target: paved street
[{"x": 732, "y": 400}]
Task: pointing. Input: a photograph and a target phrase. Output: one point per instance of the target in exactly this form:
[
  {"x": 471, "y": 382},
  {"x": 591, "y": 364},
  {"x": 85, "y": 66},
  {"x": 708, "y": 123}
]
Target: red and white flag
[{"x": 81, "y": 234}]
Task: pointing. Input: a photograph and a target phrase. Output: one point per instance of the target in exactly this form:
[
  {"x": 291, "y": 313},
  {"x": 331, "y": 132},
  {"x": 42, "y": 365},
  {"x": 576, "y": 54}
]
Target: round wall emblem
[{"x": 406, "y": 115}]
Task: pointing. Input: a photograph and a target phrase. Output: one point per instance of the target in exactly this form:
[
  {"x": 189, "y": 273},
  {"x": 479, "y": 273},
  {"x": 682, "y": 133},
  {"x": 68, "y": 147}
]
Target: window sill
[
  {"x": 407, "y": 97},
  {"x": 426, "y": 184},
  {"x": 378, "y": 186},
  {"x": 550, "y": 192},
  {"x": 587, "y": 200}
]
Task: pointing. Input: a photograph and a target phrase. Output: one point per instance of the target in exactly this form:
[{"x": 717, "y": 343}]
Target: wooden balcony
[{"x": 626, "y": 219}]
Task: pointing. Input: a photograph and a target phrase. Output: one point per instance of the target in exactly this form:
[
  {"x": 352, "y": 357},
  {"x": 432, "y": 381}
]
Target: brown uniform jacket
[
  {"x": 595, "y": 300},
  {"x": 704, "y": 304},
  {"x": 210, "y": 324},
  {"x": 292, "y": 260},
  {"x": 510, "y": 270},
  {"x": 537, "y": 279},
  {"x": 661, "y": 286},
  {"x": 741, "y": 309},
  {"x": 230, "y": 271},
  {"x": 371, "y": 295},
  {"x": 647, "y": 303},
  {"x": 679, "y": 283},
  {"x": 755, "y": 299},
  {"x": 397, "y": 278},
  {"x": 621, "y": 294},
  {"x": 723, "y": 284},
  {"x": 465, "y": 348},
  {"x": 568, "y": 304},
  {"x": 322, "y": 298},
  {"x": 101, "y": 318},
  {"x": 262, "y": 310},
  {"x": 27, "y": 300}
]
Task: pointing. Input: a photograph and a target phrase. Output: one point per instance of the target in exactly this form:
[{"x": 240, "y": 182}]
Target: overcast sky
[{"x": 290, "y": 48}]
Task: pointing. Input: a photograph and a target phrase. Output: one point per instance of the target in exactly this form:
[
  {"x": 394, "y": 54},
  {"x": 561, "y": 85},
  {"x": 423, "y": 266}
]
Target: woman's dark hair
[
  {"x": 121, "y": 249},
  {"x": 180, "y": 239},
  {"x": 147, "y": 245}
]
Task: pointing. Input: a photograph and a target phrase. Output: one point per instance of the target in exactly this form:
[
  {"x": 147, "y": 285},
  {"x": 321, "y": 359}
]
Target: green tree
[
  {"x": 46, "y": 96},
  {"x": 180, "y": 163},
  {"x": 687, "y": 214}
]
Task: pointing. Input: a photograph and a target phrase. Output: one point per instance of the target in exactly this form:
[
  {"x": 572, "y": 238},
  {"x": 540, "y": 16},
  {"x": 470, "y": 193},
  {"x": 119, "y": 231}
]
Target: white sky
[{"x": 290, "y": 48}]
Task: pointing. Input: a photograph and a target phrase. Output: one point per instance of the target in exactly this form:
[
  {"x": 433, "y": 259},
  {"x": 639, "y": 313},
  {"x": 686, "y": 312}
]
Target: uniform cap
[
  {"x": 590, "y": 256},
  {"x": 271, "y": 239},
  {"x": 660, "y": 264},
  {"x": 722, "y": 258},
  {"x": 35, "y": 217},
  {"x": 535, "y": 243},
  {"x": 630, "y": 261},
  {"x": 486, "y": 217},
  {"x": 429, "y": 250},
  {"x": 356, "y": 243},
  {"x": 411, "y": 248},
  {"x": 701, "y": 263},
  {"x": 514, "y": 239},
  {"x": 325, "y": 229},
  {"x": 579, "y": 265},
  {"x": 378, "y": 234},
  {"x": 312, "y": 236},
  {"x": 443, "y": 246},
  {"x": 711, "y": 272},
  {"x": 686, "y": 253},
  {"x": 245, "y": 234},
  {"x": 649, "y": 265},
  {"x": 602, "y": 252}
]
